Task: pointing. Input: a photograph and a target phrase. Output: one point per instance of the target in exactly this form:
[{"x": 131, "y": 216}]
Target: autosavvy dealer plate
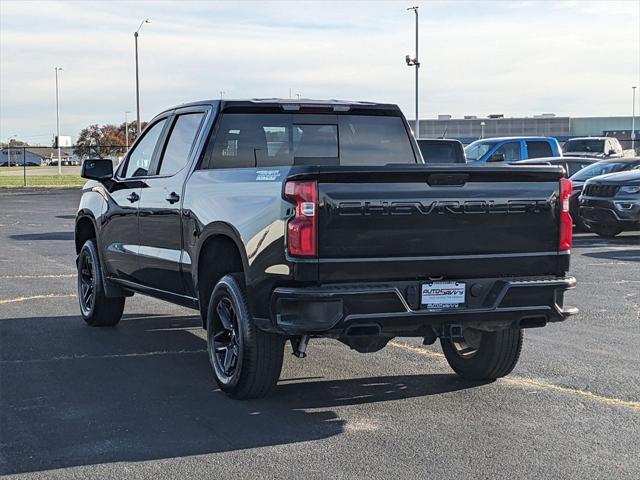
[{"x": 443, "y": 294}]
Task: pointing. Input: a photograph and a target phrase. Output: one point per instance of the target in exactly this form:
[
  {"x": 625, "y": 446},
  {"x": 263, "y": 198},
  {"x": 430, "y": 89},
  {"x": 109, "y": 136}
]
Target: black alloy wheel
[
  {"x": 86, "y": 282},
  {"x": 227, "y": 348}
]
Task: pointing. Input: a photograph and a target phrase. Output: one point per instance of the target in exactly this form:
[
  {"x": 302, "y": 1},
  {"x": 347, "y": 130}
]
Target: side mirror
[
  {"x": 97, "y": 169},
  {"x": 612, "y": 152},
  {"x": 496, "y": 157}
]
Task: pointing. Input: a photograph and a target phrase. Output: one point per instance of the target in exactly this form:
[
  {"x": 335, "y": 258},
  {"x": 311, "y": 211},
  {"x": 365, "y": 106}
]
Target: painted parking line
[
  {"x": 64, "y": 358},
  {"x": 532, "y": 383},
  {"x": 62, "y": 275},
  {"x": 35, "y": 297}
]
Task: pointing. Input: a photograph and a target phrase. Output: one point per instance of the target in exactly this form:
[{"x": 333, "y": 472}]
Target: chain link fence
[{"x": 38, "y": 166}]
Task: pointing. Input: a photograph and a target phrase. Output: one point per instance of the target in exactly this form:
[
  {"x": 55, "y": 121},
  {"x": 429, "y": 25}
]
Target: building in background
[
  {"x": 470, "y": 128},
  {"x": 36, "y": 156}
]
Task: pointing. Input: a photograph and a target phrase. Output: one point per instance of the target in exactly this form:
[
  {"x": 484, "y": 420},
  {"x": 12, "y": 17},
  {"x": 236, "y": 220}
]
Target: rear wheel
[
  {"x": 246, "y": 361},
  {"x": 483, "y": 355},
  {"x": 96, "y": 308}
]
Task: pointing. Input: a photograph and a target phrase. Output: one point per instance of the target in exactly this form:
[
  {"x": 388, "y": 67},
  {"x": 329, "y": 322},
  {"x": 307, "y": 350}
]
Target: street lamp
[
  {"x": 633, "y": 122},
  {"x": 126, "y": 130},
  {"x": 135, "y": 35},
  {"x": 415, "y": 62},
  {"x": 482, "y": 124},
  {"x": 57, "y": 69}
]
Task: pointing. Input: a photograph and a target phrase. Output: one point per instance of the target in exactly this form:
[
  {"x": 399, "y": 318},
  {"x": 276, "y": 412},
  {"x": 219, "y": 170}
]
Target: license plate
[{"x": 443, "y": 294}]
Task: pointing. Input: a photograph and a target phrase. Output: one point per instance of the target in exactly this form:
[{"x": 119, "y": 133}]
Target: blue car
[{"x": 511, "y": 149}]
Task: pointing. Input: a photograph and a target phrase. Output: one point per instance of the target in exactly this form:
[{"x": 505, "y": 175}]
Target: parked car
[
  {"x": 602, "y": 167},
  {"x": 439, "y": 150},
  {"x": 596, "y": 147},
  {"x": 571, "y": 165},
  {"x": 286, "y": 220},
  {"x": 610, "y": 204},
  {"x": 511, "y": 149}
]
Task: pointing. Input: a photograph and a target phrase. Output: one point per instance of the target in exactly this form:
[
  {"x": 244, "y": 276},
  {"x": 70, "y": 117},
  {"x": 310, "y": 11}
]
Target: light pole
[
  {"x": 126, "y": 130},
  {"x": 415, "y": 62},
  {"x": 482, "y": 124},
  {"x": 10, "y": 151},
  {"x": 57, "y": 69},
  {"x": 135, "y": 36},
  {"x": 633, "y": 122}
]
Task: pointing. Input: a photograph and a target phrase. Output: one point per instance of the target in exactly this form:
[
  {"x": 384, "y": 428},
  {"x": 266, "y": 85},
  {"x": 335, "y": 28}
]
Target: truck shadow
[
  {"x": 73, "y": 395},
  {"x": 631, "y": 255}
]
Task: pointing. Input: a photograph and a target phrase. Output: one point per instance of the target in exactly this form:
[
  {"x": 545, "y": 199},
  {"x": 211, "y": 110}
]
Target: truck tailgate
[{"x": 401, "y": 222}]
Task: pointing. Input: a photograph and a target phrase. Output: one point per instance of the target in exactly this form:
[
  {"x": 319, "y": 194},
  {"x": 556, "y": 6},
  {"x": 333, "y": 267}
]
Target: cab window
[{"x": 142, "y": 154}]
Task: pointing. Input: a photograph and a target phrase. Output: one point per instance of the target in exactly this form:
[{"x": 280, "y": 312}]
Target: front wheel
[
  {"x": 481, "y": 355},
  {"x": 246, "y": 361},
  {"x": 96, "y": 308}
]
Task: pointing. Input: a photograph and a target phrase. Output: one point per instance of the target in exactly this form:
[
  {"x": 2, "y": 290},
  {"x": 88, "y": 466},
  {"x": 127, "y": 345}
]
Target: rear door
[{"x": 161, "y": 252}]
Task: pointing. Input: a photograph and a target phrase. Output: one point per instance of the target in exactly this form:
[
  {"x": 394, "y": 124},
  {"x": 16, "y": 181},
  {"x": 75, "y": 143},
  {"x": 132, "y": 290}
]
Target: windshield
[
  {"x": 600, "y": 168},
  {"x": 477, "y": 149},
  {"x": 596, "y": 146}
]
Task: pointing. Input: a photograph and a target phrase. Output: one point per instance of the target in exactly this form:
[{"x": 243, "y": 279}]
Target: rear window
[{"x": 258, "y": 140}]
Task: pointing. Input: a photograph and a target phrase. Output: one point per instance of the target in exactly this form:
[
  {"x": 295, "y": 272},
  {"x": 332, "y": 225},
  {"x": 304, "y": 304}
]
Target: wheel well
[
  {"x": 218, "y": 256},
  {"x": 84, "y": 231}
]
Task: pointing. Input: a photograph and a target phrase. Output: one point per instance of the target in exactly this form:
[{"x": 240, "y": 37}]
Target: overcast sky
[{"x": 577, "y": 58}]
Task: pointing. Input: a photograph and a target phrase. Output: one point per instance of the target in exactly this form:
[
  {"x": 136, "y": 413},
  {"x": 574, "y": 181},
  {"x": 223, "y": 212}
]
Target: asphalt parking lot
[{"x": 138, "y": 400}]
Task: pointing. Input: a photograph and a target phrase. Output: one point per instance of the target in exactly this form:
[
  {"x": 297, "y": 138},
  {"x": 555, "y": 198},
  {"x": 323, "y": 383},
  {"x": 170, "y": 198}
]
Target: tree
[
  {"x": 104, "y": 141},
  {"x": 14, "y": 142}
]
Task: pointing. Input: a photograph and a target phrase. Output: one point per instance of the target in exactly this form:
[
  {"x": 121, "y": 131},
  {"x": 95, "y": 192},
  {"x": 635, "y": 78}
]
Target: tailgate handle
[{"x": 448, "y": 179}]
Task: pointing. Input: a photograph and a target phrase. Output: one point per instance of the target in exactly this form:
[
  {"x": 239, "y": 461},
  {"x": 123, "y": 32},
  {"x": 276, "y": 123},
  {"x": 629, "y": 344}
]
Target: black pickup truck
[{"x": 289, "y": 220}]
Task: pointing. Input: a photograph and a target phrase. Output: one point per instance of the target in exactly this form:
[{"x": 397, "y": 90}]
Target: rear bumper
[{"x": 394, "y": 309}]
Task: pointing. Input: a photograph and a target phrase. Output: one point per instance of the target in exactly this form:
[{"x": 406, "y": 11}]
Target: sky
[{"x": 519, "y": 58}]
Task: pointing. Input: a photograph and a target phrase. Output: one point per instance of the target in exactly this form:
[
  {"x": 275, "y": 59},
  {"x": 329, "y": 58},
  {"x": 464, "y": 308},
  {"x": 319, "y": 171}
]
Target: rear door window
[
  {"x": 538, "y": 149},
  {"x": 181, "y": 138}
]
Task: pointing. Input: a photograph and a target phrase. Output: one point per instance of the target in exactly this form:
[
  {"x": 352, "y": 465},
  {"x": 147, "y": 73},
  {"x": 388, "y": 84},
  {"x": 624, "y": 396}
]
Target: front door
[
  {"x": 161, "y": 253},
  {"x": 120, "y": 233}
]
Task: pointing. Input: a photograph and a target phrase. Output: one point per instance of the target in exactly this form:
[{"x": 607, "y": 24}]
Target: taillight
[
  {"x": 303, "y": 227},
  {"x": 566, "y": 223}
]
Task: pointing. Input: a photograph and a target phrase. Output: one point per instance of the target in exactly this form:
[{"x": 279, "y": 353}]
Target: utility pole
[
  {"x": 126, "y": 130},
  {"x": 58, "y": 123},
  {"x": 135, "y": 35},
  {"x": 415, "y": 62},
  {"x": 633, "y": 122}
]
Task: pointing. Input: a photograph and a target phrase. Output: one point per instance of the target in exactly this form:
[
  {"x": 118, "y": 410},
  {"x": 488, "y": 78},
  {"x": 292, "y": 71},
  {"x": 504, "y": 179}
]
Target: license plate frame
[{"x": 443, "y": 295}]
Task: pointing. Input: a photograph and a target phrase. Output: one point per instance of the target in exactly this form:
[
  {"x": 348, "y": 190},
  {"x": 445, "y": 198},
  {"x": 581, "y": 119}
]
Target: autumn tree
[{"x": 104, "y": 141}]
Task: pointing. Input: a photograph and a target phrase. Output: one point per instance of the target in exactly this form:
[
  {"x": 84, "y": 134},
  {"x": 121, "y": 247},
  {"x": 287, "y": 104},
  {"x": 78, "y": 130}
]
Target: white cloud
[{"x": 577, "y": 58}]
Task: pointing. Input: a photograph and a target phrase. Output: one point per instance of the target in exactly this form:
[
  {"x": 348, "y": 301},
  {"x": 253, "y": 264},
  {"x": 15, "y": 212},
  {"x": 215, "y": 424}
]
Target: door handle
[
  {"x": 134, "y": 197},
  {"x": 172, "y": 198}
]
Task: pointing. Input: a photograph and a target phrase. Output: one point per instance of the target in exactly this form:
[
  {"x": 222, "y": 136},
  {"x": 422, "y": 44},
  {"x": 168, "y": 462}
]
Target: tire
[
  {"x": 493, "y": 354},
  {"x": 246, "y": 361},
  {"x": 96, "y": 308},
  {"x": 606, "y": 231}
]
